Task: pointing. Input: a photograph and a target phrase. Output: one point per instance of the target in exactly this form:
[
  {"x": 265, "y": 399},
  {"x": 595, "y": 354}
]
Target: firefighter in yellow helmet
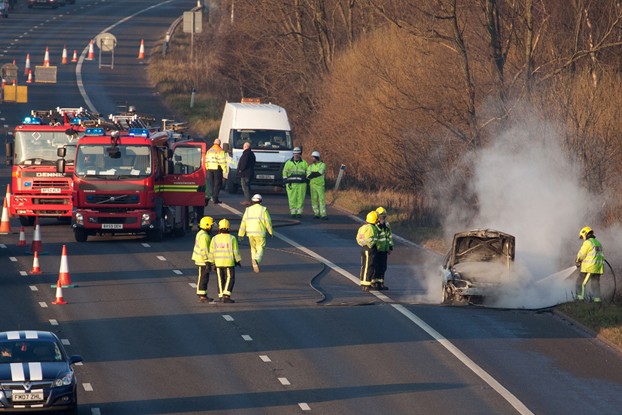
[
  {"x": 385, "y": 246},
  {"x": 367, "y": 238},
  {"x": 225, "y": 255},
  {"x": 591, "y": 260},
  {"x": 200, "y": 256},
  {"x": 256, "y": 222}
]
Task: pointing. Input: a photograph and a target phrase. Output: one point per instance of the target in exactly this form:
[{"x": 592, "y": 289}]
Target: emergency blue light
[
  {"x": 138, "y": 132},
  {"x": 76, "y": 121},
  {"x": 94, "y": 131},
  {"x": 32, "y": 121}
]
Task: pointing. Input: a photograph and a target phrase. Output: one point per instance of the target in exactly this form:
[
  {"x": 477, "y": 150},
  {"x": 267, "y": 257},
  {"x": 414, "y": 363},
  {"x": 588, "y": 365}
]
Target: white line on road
[
  {"x": 284, "y": 381},
  {"x": 264, "y": 358},
  {"x": 247, "y": 338},
  {"x": 227, "y": 317},
  {"x": 24, "y": 274},
  {"x": 87, "y": 387},
  {"x": 161, "y": 258},
  {"x": 178, "y": 272},
  {"x": 33, "y": 288},
  {"x": 65, "y": 342},
  {"x": 53, "y": 322},
  {"x": 43, "y": 304},
  {"x": 12, "y": 259},
  {"x": 304, "y": 406},
  {"x": 95, "y": 411}
]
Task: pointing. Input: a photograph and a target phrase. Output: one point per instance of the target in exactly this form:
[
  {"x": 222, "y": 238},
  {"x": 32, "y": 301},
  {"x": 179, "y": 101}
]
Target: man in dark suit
[{"x": 246, "y": 170}]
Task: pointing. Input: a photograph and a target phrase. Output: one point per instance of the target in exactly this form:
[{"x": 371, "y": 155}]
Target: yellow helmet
[
  {"x": 584, "y": 232},
  {"x": 372, "y": 217},
  {"x": 381, "y": 211},
  {"x": 206, "y": 222},
  {"x": 223, "y": 224}
]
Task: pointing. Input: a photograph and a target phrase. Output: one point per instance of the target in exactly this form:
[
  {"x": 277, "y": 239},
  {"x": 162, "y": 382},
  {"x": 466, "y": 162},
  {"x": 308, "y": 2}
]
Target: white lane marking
[
  {"x": 178, "y": 272},
  {"x": 43, "y": 304},
  {"x": 146, "y": 245},
  {"x": 161, "y": 258},
  {"x": 193, "y": 284},
  {"x": 12, "y": 259},
  {"x": 3, "y": 246},
  {"x": 95, "y": 411},
  {"x": 25, "y": 274},
  {"x": 53, "y": 322},
  {"x": 65, "y": 342},
  {"x": 87, "y": 387},
  {"x": 79, "y": 364},
  {"x": 247, "y": 338},
  {"x": 284, "y": 381},
  {"x": 33, "y": 288},
  {"x": 492, "y": 382},
  {"x": 227, "y": 317},
  {"x": 79, "y": 81},
  {"x": 264, "y": 358},
  {"x": 304, "y": 406}
]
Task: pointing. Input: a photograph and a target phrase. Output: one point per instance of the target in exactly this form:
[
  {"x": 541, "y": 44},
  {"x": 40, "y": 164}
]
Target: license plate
[
  {"x": 265, "y": 176},
  {"x": 112, "y": 226},
  {"x": 27, "y": 396},
  {"x": 50, "y": 190}
]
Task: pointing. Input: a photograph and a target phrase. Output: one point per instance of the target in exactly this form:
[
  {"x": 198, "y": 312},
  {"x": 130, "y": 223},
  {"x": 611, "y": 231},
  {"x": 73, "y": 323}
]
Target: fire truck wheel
[
  {"x": 27, "y": 220},
  {"x": 157, "y": 233},
  {"x": 80, "y": 234}
]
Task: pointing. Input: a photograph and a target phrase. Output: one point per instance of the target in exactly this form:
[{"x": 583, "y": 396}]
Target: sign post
[{"x": 106, "y": 42}]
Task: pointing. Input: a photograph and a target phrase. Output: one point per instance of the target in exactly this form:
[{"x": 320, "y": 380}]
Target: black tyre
[
  {"x": 27, "y": 220},
  {"x": 80, "y": 234},
  {"x": 157, "y": 233}
]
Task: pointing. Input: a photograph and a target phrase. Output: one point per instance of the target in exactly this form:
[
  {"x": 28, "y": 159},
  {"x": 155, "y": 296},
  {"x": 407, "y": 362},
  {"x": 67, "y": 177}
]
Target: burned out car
[{"x": 477, "y": 265}]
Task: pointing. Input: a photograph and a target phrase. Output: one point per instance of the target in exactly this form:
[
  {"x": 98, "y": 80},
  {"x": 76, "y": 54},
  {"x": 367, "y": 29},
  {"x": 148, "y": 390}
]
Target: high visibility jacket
[
  {"x": 385, "y": 237},
  {"x": 201, "y": 247},
  {"x": 295, "y": 171},
  {"x": 591, "y": 256},
  {"x": 255, "y": 221},
  {"x": 215, "y": 158},
  {"x": 223, "y": 250},
  {"x": 318, "y": 167},
  {"x": 367, "y": 235}
]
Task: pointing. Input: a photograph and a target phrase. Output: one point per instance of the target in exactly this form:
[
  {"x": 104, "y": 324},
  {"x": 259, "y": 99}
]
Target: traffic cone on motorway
[
  {"x": 35, "y": 265},
  {"x": 59, "y": 294},
  {"x": 22, "y": 237},
  {"x": 91, "y": 54},
  {"x": 46, "y": 58},
  {"x": 63, "y": 273},
  {"x": 7, "y": 196},
  {"x": 74, "y": 58},
  {"x": 29, "y": 80},
  {"x": 27, "y": 67},
  {"x": 64, "y": 56},
  {"x": 141, "y": 51},
  {"x": 5, "y": 225},
  {"x": 36, "y": 245}
]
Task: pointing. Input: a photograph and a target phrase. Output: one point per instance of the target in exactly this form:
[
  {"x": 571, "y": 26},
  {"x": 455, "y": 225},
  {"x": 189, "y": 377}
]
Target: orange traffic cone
[
  {"x": 29, "y": 80},
  {"x": 22, "y": 237},
  {"x": 74, "y": 58},
  {"x": 36, "y": 245},
  {"x": 59, "y": 294},
  {"x": 7, "y": 196},
  {"x": 46, "y": 58},
  {"x": 141, "y": 51},
  {"x": 5, "y": 225},
  {"x": 63, "y": 273},
  {"x": 35, "y": 265},
  {"x": 64, "y": 56},
  {"x": 27, "y": 67},
  {"x": 91, "y": 54}
]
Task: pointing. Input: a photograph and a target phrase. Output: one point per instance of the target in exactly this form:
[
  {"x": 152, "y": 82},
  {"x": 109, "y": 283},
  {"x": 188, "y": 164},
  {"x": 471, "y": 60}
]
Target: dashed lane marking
[
  {"x": 247, "y": 338},
  {"x": 33, "y": 288},
  {"x": 65, "y": 342},
  {"x": 12, "y": 259},
  {"x": 264, "y": 358},
  {"x": 284, "y": 381},
  {"x": 178, "y": 272},
  {"x": 304, "y": 406},
  {"x": 227, "y": 317},
  {"x": 43, "y": 304},
  {"x": 54, "y": 322},
  {"x": 87, "y": 387},
  {"x": 161, "y": 258}
]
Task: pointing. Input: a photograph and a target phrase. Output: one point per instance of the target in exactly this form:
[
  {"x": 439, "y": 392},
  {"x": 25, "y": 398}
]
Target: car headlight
[
  {"x": 79, "y": 219},
  {"x": 145, "y": 219},
  {"x": 65, "y": 380}
]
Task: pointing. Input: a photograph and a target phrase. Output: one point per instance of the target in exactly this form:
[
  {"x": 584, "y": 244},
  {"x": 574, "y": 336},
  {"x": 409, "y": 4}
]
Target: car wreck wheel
[{"x": 446, "y": 295}]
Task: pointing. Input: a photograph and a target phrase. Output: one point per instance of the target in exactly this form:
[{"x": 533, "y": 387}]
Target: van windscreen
[{"x": 262, "y": 139}]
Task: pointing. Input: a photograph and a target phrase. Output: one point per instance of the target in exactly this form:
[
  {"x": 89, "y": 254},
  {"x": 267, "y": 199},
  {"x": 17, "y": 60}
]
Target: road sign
[
  {"x": 45, "y": 74},
  {"x": 193, "y": 22},
  {"x": 106, "y": 42}
]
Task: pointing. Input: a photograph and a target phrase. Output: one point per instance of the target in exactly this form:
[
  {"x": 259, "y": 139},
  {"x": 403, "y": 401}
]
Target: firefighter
[
  {"x": 255, "y": 223},
  {"x": 225, "y": 255},
  {"x": 217, "y": 169},
  {"x": 367, "y": 238},
  {"x": 591, "y": 260},
  {"x": 294, "y": 177},
  {"x": 200, "y": 256},
  {"x": 315, "y": 175},
  {"x": 385, "y": 246}
]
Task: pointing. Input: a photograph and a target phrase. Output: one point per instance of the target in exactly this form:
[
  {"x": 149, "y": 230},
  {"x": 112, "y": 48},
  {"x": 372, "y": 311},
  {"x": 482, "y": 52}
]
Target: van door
[{"x": 185, "y": 185}]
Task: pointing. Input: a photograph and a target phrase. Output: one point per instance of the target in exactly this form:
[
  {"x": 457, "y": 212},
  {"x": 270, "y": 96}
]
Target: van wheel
[{"x": 80, "y": 234}]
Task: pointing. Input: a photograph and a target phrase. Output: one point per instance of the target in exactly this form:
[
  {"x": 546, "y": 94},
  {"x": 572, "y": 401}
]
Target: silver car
[{"x": 476, "y": 266}]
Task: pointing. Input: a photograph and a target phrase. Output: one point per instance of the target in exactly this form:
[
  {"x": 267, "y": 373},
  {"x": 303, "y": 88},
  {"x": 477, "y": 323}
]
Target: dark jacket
[{"x": 246, "y": 164}]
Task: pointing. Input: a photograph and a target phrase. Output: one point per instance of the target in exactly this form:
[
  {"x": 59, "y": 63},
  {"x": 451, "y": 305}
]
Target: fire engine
[
  {"x": 134, "y": 182},
  {"x": 37, "y": 188}
]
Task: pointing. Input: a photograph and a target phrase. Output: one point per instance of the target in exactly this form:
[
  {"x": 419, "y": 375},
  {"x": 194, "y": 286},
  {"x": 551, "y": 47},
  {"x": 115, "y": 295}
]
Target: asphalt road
[{"x": 302, "y": 337}]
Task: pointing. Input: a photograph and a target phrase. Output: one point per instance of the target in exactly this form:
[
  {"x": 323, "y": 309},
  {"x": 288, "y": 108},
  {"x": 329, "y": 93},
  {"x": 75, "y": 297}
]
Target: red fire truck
[
  {"x": 37, "y": 189},
  {"x": 134, "y": 182}
]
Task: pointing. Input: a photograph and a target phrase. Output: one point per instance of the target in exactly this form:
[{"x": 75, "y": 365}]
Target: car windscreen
[
  {"x": 23, "y": 351},
  {"x": 262, "y": 139},
  {"x": 103, "y": 161}
]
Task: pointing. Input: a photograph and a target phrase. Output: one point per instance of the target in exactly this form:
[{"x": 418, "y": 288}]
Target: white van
[{"x": 267, "y": 128}]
